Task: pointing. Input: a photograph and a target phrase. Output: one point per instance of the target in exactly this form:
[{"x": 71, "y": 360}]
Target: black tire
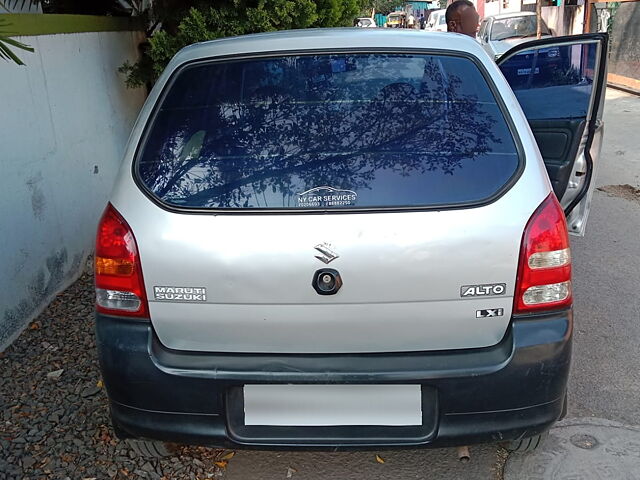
[
  {"x": 148, "y": 448},
  {"x": 565, "y": 403},
  {"x": 526, "y": 445}
]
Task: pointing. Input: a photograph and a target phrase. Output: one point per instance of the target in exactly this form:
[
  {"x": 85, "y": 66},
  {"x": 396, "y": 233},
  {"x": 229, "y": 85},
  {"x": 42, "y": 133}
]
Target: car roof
[
  {"x": 327, "y": 39},
  {"x": 510, "y": 15}
]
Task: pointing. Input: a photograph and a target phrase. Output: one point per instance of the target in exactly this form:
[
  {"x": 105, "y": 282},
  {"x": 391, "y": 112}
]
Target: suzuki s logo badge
[
  {"x": 488, "y": 290},
  {"x": 327, "y": 253}
]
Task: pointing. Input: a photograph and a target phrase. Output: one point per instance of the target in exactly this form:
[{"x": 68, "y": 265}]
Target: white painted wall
[
  {"x": 495, "y": 7},
  {"x": 565, "y": 20},
  {"x": 64, "y": 121}
]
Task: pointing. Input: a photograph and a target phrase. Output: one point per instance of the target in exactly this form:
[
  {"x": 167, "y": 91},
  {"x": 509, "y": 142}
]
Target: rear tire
[
  {"x": 148, "y": 448},
  {"x": 565, "y": 407},
  {"x": 526, "y": 445}
]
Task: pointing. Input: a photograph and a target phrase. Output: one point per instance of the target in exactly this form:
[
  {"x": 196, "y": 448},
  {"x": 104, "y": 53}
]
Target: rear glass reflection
[{"x": 328, "y": 132}]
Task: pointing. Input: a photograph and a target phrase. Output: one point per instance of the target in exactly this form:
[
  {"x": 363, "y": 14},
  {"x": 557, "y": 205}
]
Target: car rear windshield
[{"x": 339, "y": 131}]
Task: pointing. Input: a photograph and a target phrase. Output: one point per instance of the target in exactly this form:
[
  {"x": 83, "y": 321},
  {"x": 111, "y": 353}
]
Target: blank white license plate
[{"x": 332, "y": 405}]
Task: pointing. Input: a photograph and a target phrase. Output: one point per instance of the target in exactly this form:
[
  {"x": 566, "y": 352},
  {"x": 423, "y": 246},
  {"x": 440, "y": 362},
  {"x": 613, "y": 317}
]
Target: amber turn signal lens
[{"x": 114, "y": 266}]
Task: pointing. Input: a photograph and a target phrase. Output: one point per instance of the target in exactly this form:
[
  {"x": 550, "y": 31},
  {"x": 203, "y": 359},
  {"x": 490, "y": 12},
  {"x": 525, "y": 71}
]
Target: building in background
[
  {"x": 621, "y": 19},
  {"x": 421, "y": 8},
  {"x": 415, "y": 8},
  {"x": 495, "y": 7},
  {"x": 564, "y": 17}
]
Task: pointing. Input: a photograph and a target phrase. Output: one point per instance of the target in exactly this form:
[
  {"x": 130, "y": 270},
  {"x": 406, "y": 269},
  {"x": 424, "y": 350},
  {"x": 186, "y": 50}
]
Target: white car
[
  {"x": 499, "y": 33},
  {"x": 437, "y": 21},
  {"x": 342, "y": 238},
  {"x": 366, "y": 22}
]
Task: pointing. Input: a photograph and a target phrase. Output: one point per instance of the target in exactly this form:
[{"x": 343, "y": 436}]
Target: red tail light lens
[
  {"x": 544, "y": 272},
  {"x": 118, "y": 275}
]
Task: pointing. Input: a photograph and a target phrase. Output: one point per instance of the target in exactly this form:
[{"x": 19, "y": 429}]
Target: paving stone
[{"x": 585, "y": 449}]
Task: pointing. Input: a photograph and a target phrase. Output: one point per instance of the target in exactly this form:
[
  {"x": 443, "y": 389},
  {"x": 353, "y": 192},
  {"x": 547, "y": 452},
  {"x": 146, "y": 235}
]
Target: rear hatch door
[{"x": 397, "y": 170}]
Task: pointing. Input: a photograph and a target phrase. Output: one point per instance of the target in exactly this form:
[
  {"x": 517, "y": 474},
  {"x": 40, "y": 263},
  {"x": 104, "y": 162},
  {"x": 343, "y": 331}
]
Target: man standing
[
  {"x": 411, "y": 21},
  {"x": 462, "y": 18}
]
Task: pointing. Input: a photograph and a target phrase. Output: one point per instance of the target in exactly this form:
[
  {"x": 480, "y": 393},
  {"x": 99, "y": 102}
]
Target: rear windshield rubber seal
[{"x": 318, "y": 211}]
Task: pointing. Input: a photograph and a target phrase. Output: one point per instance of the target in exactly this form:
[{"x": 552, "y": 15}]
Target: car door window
[{"x": 562, "y": 75}]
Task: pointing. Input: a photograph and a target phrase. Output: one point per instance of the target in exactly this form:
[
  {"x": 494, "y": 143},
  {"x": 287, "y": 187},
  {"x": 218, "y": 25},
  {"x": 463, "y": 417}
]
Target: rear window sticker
[{"x": 327, "y": 197}]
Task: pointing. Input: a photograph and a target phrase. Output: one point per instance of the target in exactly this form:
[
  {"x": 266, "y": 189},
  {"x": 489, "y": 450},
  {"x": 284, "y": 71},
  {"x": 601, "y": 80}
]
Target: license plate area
[
  {"x": 331, "y": 415},
  {"x": 332, "y": 405},
  {"x": 527, "y": 71}
]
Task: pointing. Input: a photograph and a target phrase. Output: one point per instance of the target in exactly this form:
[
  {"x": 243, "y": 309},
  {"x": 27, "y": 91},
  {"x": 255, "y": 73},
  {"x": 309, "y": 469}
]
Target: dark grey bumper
[{"x": 511, "y": 390}]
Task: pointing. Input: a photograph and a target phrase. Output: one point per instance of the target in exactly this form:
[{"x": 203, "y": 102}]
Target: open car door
[{"x": 560, "y": 84}]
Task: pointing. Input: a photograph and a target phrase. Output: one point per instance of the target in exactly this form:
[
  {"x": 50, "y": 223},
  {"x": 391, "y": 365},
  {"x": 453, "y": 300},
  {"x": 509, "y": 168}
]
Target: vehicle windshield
[
  {"x": 517, "y": 27},
  {"x": 332, "y": 131}
]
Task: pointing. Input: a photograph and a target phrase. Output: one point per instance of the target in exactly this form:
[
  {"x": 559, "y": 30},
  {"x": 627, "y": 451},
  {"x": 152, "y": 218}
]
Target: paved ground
[
  {"x": 58, "y": 428},
  {"x": 585, "y": 449},
  {"x": 606, "y": 379}
]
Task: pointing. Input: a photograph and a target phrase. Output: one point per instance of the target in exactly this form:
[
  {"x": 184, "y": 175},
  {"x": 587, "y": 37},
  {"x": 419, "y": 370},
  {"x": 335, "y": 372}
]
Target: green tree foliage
[
  {"x": 6, "y": 44},
  {"x": 336, "y": 13},
  {"x": 381, "y": 6},
  {"x": 224, "y": 18}
]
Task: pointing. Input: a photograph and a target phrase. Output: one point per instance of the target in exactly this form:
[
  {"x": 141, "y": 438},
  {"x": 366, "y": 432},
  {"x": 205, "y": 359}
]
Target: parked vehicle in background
[
  {"x": 366, "y": 22},
  {"x": 338, "y": 239},
  {"x": 396, "y": 19},
  {"x": 437, "y": 21},
  {"x": 499, "y": 33}
]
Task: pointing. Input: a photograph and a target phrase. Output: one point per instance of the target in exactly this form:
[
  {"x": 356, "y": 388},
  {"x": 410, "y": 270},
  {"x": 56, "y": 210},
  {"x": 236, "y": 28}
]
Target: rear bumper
[{"x": 511, "y": 390}]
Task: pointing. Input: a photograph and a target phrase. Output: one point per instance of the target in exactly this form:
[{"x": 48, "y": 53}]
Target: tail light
[
  {"x": 118, "y": 275},
  {"x": 544, "y": 272}
]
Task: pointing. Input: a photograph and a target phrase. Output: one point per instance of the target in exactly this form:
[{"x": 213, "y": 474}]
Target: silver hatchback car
[{"x": 348, "y": 238}]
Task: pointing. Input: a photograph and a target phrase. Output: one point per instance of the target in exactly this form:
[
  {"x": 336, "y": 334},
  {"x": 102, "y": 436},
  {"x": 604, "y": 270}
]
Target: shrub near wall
[{"x": 220, "y": 18}]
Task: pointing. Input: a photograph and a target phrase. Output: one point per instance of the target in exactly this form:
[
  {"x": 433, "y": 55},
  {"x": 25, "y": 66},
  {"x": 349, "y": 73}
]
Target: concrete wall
[
  {"x": 565, "y": 20},
  {"x": 494, "y": 7},
  {"x": 65, "y": 118}
]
